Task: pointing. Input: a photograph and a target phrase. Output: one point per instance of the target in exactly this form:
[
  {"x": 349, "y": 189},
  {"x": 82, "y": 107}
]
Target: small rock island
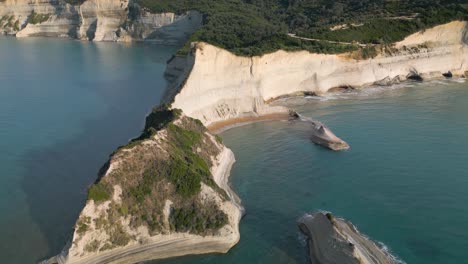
[
  {"x": 335, "y": 240},
  {"x": 321, "y": 134}
]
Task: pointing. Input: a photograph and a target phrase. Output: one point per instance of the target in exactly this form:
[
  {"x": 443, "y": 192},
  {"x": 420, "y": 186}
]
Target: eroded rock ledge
[{"x": 334, "y": 240}]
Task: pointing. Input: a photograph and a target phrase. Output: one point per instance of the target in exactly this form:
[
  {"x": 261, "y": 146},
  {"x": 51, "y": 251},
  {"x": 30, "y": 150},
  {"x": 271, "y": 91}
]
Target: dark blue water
[
  {"x": 64, "y": 107},
  {"x": 404, "y": 182}
]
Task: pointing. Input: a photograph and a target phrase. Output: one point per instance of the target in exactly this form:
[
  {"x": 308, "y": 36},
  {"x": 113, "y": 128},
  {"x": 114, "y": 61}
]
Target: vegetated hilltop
[
  {"x": 156, "y": 182},
  {"x": 256, "y": 27}
]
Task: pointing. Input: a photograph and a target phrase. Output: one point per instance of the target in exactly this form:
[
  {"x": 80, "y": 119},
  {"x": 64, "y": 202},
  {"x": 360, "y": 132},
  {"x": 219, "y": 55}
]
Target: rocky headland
[{"x": 166, "y": 192}]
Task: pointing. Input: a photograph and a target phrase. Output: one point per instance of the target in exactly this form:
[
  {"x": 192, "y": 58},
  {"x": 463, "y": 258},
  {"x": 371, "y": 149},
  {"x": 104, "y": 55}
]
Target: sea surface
[
  {"x": 404, "y": 182},
  {"x": 66, "y": 105}
]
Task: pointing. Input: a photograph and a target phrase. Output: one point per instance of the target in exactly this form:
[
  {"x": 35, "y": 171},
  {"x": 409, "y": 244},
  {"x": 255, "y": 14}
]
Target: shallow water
[
  {"x": 64, "y": 107},
  {"x": 403, "y": 182}
]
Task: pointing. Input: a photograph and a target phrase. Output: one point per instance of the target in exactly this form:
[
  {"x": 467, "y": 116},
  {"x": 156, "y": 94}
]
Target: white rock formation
[
  {"x": 98, "y": 20},
  {"x": 222, "y": 86}
]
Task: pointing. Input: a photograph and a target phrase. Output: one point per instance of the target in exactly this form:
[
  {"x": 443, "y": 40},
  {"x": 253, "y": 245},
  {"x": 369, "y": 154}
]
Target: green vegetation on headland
[
  {"x": 169, "y": 162},
  {"x": 256, "y": 27}
]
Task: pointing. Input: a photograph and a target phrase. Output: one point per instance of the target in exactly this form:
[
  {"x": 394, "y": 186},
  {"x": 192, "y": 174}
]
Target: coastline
[
  {"x": 218, "y": 117},
  {"x": 250, "y": 83},
  {"x": 222, "y": 126},
  {"x": 219, "y": 127}
]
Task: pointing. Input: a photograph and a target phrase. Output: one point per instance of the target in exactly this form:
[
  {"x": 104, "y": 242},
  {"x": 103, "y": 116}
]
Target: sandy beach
[{"x": 222, "y": 126}]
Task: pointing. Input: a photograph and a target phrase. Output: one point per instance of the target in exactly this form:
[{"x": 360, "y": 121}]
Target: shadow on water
[{"x": 56, "y": 177}]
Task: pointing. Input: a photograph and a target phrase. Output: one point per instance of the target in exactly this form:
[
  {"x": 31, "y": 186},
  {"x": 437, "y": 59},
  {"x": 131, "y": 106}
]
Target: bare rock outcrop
[{"x": 334, "y": 240}]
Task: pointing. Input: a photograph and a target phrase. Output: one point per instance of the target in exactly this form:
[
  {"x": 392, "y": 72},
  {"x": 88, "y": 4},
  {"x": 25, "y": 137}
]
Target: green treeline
[{"x": 255, "y": 27}]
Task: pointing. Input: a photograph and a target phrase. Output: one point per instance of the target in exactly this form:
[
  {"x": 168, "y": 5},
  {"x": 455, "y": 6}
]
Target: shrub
[
  {"x": 198, "y": 220},
  {"x": 118, "y": 236},
  {"x": 99, "y": 192},
  {"x": 93, "y": 246},
  {"x": 36, "y": 18},
  {"x": 83, "y": 225}
]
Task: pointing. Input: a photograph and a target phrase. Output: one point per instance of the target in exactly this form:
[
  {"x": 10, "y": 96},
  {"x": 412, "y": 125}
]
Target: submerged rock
[
  {"x": 414, "y": 76},
  {"x": 387, "y": 81},
  {"x": 341, "y": 89},
  {"x": 448, "y": 74},
  {"x": 334, "y": 240}
]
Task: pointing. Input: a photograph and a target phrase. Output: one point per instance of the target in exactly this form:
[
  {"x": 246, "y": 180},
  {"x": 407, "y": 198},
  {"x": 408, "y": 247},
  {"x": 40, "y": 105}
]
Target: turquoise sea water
[
  {"x": 404, "y": 182},
  {"x": 64, "y": 107}
]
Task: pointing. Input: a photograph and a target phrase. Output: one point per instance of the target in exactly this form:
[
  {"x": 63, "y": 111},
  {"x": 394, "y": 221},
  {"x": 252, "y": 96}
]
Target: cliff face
[
  {"x": 164, "y": 194},
  {"x": 221, "y": 85},
  {"x": 98, "y": 20}
]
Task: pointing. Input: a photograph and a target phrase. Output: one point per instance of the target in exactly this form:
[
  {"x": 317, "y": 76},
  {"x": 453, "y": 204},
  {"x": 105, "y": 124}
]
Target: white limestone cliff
[
  {"x": 222, "y": 86},
  {"x": 97, "y": 20}
]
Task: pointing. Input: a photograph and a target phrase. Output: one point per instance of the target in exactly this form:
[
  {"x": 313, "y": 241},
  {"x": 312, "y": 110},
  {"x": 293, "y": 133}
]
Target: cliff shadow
[{"x": 56, "y": 177}]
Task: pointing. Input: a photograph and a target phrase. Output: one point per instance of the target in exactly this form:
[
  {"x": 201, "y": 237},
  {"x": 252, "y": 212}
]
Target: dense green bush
[
  {"x": 158, "y": 118},
  {"x": 197, "y": 219},
  {"x": 99, "y": 192},
  {"x": 36, "y": 18},
  {"x": 187, "y": 169}
]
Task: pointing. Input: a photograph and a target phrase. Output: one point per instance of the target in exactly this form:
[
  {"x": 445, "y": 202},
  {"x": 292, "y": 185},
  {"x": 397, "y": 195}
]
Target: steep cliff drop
[
  {"x": 334, "y": 240},
  {"x": 219, "y": 85},
  {"x": 96, "y": 20}
]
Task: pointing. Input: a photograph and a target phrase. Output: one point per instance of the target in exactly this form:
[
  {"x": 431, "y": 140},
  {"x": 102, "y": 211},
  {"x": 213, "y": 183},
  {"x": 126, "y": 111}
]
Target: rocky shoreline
[{"x": 335, "y": 240}]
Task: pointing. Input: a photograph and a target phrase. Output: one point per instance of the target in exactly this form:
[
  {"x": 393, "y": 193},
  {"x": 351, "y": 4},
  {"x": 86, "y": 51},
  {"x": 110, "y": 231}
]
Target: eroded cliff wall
[
  {"x": 222, "y": 86},
  {"x": 97, "y": 20}
]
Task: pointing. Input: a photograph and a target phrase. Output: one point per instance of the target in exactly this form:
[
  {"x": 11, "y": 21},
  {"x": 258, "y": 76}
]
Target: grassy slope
[{"x": 153, "y": 171}]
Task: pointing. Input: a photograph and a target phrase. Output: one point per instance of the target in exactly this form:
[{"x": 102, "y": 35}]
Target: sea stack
[
  {"x": 323, "y": 136},
  {"x": 334, "y": 240}
]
